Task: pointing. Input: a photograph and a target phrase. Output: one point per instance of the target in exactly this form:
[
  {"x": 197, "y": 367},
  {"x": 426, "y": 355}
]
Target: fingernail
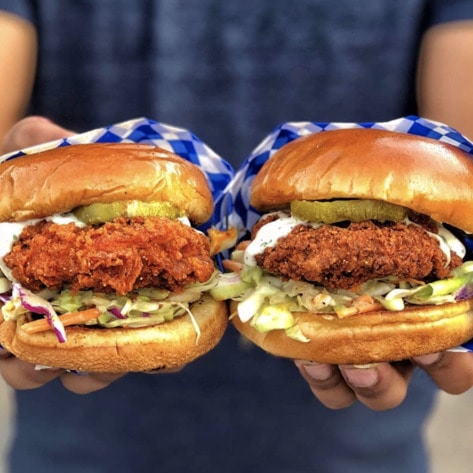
[
  {"x": 427, "y": 359},
  {"x": 78, "y": 373},
  {"x": 317, "y": 371},
  {"x": 4, "y": 353},
  {"x": 362, "y": 376}
]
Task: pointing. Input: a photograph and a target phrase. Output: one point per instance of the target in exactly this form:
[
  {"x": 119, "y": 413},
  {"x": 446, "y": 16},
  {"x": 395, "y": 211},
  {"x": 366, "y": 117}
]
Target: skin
[
  {"x": 445, "y": 69},
  {"x": 18, "y": 63},
  {"x": 445, "y": 94}
]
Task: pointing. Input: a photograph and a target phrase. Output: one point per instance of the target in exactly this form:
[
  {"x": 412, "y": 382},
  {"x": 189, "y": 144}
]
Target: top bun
[
  {"x": 422, "y": 174},
  {"x": 58, "y": 180}
]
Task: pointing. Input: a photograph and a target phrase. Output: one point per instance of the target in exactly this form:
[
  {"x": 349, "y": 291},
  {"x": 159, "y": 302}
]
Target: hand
[
  {"x": 17, "y": 373},
  {"x": 22, "y": 375},
  {"x": 384, "y": 386},
  {"x": 31, "y": 131}
]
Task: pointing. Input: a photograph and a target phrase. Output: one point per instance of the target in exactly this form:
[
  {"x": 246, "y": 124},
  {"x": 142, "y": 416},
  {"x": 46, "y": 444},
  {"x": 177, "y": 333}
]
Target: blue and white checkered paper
[
  {"x": 232, "y": 206},
  {"x": 143, "y": 130}
]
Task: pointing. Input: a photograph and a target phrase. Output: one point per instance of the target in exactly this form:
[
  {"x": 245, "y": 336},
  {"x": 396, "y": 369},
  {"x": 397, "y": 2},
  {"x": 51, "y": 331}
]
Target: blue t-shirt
[{"x": 230, "y": 72}]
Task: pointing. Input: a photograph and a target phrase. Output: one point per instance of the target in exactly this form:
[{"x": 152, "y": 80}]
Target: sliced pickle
[
  {"x": 351, "y": 210},
  {"x": 99, "y": 213}
]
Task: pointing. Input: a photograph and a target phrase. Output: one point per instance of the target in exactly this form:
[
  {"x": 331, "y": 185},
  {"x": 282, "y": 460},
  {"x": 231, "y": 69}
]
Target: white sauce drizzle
[{"x": 269, "y": 234}]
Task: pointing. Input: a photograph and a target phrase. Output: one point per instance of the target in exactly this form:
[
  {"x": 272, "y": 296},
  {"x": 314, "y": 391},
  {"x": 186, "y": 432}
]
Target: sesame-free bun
[
  {"x": 381, "y": 336},
  {"x": 422, "y": 174},
  {"x": 58, "y": 180},
  {"x": 119, "y": 350}
]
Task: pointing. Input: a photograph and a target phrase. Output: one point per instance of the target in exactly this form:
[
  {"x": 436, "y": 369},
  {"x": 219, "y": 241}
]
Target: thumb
[{"x": 31, "y": 131}]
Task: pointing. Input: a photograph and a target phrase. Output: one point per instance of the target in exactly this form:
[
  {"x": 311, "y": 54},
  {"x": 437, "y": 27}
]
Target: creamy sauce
[
  {"x": 452, "y": 241},
  {"x": 269, "y": 234}
]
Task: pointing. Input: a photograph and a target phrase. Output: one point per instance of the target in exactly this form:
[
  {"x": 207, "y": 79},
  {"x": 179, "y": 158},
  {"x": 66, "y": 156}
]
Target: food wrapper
[{"x": 233, "y": 208}]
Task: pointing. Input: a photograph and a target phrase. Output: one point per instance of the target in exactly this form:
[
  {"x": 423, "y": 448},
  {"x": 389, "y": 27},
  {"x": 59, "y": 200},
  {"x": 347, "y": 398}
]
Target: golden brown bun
[
  {"x": 58, "y": 180},
  {"x": 422, "y": 174},
  {"x": 119, "y": 350},
  {"x": 381, "y": 336}
]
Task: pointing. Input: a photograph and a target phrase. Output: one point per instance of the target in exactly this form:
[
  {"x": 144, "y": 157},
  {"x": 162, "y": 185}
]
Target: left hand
[
  {"x": 21, "y": 375},
  {"x": 384, "y": 386}
]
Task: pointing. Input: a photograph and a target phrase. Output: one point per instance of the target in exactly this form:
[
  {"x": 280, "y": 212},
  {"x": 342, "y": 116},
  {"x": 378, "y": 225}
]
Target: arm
[
  {"x": 445, "y": 76},
  {"x": 18, "y": 64}
]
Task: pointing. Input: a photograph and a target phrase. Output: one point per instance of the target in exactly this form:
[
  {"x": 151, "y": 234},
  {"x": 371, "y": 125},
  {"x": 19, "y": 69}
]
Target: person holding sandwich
[{"x": 231, "y": 73}]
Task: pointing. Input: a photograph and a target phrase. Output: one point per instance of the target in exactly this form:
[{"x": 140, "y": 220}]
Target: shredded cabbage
[
  {"x": 23, "y": 301},
  {"x": 267, "y": 302},
  {"x": 144, "y": 307}
]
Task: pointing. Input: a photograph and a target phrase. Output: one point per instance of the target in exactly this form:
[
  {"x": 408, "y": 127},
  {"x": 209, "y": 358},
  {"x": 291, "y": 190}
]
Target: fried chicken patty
[
  {"x": 118, "y": 256},
  {"x": 343, "y": 258}
]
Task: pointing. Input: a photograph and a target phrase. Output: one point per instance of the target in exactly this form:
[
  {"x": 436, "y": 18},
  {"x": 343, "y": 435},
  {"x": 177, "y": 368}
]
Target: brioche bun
[
  {"x": 119, "y": 350},
  {"x": 427, "y": 176},
  {"x": 381, "y": 336},
  {"x": 424, "y": 175},
  {"x": 58, "y": 180}
]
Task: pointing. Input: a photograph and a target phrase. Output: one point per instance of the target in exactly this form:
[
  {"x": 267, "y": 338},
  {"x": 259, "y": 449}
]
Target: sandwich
[
  {"x": 360, "y": 254},
  {"x": 103, "y": 267}
]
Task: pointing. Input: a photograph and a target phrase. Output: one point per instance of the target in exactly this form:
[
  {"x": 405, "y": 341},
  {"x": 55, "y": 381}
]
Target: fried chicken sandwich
[
  {"x": 102, "y": 269},
  {"x": 359, "y": 255}
]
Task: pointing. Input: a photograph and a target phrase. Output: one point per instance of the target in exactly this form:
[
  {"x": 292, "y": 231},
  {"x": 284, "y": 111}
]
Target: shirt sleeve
[
  {"x": 22, "y": 8},
  {"x": 446, "y": 11}
]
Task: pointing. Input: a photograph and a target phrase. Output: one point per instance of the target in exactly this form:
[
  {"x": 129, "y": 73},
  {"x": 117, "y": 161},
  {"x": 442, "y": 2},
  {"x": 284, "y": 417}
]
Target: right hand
[
  {"x": 19, "y": 374},
  {"x": 32, "y": 131}
]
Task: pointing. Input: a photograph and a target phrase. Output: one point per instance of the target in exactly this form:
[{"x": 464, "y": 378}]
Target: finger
[
  {"x": 4, "y": 354},
  {"x": 31, "y": 131},
  {"x": 327, "y": 384},
  {"x": 451, "y": 371},
  {"x": 379, "y": 386},
  {"x": 22, "y": 375},
  {"x": 88, "y": 383},
  {"x": 165, "y": 370}
]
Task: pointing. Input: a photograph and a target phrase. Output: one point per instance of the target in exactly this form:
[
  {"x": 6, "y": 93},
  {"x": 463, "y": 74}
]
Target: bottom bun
[
  {"x": 381, "y": 336},
  {"x": 120, "y": 350}
]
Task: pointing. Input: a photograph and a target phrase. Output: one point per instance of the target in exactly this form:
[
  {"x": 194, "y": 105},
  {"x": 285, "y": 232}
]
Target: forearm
[
  {"x": 17, "y": 68},
  {"x": 445, "y": 76}
]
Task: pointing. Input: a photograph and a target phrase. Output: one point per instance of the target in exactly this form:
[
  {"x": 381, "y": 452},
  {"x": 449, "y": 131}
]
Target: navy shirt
[{"x": 230, "y": 72}]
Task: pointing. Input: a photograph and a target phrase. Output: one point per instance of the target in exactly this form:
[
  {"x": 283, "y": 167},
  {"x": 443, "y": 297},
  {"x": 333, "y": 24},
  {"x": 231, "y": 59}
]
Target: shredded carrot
[
  {"x": 232, "y": 266},
  {"x": 73, "y": 318},
  {"x": 243, "y": 245},
  {"x": 360, "y": 305}
]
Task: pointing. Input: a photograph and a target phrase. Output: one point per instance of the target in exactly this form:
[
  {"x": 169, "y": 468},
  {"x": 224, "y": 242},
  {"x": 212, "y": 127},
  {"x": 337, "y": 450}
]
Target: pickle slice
[
  {"x": 356, "y": 210},
  {"x": 99, "y": 213}
]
